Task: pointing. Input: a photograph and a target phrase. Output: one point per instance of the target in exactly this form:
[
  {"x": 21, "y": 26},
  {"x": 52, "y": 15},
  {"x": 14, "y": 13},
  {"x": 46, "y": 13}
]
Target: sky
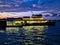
[
  {"x": 24, "y": 7},
  {"x": 17, "y": 14},
  {"x": 28, "y": 5}
]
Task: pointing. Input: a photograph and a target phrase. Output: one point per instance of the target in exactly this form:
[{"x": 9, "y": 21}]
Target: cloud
[
  {"x": 24, "y": 5},
  {"x": 18, "y": 14}
]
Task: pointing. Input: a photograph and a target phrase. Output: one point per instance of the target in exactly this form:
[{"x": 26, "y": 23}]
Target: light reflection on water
[{"x": 30, "y": 35}]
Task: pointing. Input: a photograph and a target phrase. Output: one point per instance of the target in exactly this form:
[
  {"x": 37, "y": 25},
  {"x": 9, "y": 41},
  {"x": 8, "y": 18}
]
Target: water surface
[{"x": 30, "y": 35}]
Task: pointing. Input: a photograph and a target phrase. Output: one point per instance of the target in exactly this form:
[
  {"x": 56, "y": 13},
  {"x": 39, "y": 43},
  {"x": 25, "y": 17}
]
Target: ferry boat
[{"x": 26, "y": 20}]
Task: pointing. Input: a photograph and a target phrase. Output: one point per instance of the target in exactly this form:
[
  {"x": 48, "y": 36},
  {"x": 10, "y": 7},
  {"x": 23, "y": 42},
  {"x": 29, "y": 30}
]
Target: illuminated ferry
[{"x": 26, "y": 20}]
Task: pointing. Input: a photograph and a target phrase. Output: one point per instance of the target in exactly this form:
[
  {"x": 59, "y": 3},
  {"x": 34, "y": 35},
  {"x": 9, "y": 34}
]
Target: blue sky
[{"x": 26, "y": 5}]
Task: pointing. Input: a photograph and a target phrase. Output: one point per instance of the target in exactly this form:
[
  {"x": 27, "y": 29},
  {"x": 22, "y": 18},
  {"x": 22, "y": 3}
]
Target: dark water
[{"x": 31, "y": 35}]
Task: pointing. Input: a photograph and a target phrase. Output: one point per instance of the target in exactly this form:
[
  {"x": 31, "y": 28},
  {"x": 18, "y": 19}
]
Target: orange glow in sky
[{"x": 17, "y": 14}]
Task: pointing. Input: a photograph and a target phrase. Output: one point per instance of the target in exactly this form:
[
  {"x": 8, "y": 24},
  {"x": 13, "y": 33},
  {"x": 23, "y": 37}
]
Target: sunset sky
[
  {"x": 18, "y": 14},
  {"x": 24, "y": 7}
]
